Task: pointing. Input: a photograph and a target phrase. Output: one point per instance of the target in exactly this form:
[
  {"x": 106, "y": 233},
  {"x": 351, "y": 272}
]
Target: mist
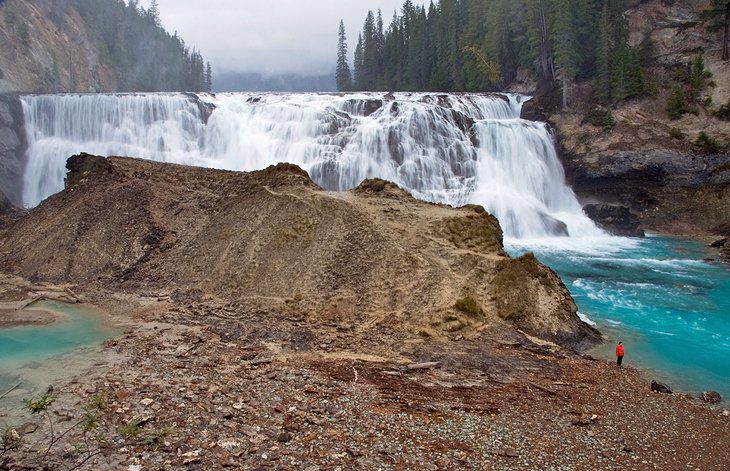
[{"x": 269, "y": 38}]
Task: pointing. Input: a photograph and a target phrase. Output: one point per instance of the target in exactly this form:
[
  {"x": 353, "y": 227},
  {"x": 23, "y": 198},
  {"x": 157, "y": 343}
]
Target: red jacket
[{"x": 619, "y": 350}]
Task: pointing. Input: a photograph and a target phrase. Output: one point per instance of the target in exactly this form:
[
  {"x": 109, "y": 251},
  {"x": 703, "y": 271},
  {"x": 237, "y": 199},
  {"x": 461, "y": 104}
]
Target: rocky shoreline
[{"x": 196, "y": 389}]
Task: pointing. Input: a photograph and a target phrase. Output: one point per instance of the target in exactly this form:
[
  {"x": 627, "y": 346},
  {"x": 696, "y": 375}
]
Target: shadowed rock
[
  {"x": 660, "y": 387},
  {"x": 614, "y": 219}
]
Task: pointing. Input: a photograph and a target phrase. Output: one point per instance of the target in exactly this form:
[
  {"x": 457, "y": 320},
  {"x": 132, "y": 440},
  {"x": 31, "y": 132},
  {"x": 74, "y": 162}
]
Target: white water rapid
[{"x": 453, "y": 149}]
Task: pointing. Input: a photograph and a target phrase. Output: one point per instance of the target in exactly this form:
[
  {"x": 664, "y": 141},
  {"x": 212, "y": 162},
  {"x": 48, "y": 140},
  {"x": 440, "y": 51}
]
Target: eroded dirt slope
[{"x": 273, "y": 242}]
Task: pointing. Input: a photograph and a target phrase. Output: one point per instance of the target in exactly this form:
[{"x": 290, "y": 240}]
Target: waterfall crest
[{"x": 453, "y": 149}]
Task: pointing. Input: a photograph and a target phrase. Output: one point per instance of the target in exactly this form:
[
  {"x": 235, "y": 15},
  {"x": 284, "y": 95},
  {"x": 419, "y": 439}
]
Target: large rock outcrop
[
  {"x": 632, "y": 153},
  {"x": 12, "y": 148},
  {"x": 669, "y": 190},
  {"x": 273, "y": 241},
  {"x": 617, "y": 220}
]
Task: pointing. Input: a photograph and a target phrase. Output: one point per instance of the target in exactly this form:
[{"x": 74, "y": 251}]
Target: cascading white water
[{"x": 454, "y": 149}]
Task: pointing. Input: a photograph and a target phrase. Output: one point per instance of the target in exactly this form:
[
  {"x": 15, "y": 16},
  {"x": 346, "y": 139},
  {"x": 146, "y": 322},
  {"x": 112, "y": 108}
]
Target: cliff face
[
  {"x": 12, "y": 148},
  {"x": 272, "y": 241},
  {"x": 46, "y": 48},
  {"x": 657, "y": 166}
]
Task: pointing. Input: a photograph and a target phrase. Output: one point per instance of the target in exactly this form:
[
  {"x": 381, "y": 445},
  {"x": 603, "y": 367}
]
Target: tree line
[
  {"x": 480, "y": 45},
  {"x": 144, "y": 56}
]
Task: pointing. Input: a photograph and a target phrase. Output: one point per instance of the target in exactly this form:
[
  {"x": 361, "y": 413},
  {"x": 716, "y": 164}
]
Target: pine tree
[
  {"x": 476, "y": 45},
  {"x": 539, "y": 32},
  {"x": 380, "y": 50},
  {"x": 603, "y": 62},
  {"x": 208, "y": 78},
  {"x": 154, "y": 12},
  {"x": 369, "y": 53},
  {"x": 343, "y": 74},
  {"x": 717, "y": 18},
  {"x": 564, "y": 44},
  {"x": 358, "y": 65}
]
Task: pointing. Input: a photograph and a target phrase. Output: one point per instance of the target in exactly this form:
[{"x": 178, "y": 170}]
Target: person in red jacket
[{"x": 619, "y": 353}]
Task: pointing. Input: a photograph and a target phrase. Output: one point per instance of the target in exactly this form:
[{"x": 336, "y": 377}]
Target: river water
[
  {"x": 668, "y": 306},
  {"x": 32, "y": 355}
]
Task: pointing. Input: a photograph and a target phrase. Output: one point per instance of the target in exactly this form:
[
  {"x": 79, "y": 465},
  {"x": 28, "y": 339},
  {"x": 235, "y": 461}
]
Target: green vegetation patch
[
  {"x": 708, "y": 143},
  {"x": 468, "y": 305}
]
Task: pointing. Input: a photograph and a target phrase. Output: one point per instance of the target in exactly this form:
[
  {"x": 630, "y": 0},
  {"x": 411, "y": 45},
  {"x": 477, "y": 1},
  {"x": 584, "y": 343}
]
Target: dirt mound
[{"x": 273, "y": 242}]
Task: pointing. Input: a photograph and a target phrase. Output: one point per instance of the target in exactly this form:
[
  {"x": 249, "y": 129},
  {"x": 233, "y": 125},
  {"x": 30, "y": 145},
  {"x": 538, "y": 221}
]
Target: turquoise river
[{"x": 658, "y": 295}]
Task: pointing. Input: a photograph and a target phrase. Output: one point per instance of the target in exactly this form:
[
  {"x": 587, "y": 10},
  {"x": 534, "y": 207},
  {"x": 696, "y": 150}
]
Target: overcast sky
[{"x": 269, "y": 36}]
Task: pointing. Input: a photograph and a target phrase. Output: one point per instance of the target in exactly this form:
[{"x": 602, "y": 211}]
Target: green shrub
[
  {"x": 677, "y": 105},
  {"x": 156, "y": 439},
  {"x": 609, "y": 122},
  {"x": 677, "y": 133},
  {"x": 11, "y": 16},
  {"x": 600, "y": 117},
  {"x": 37, "y": 406},
  {"x": 131, "y": 429},
  {"x": 724, "y": 112},
  {"x": 708, "y": 143},
  {"x": 595, "y": 116},
  {"x": 23, "y": 34},
  {"x": 699, "y": 78},
  {"x": 469, "y": 305}
]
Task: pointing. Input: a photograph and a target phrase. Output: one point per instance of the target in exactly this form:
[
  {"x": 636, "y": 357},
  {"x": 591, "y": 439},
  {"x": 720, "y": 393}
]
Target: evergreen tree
[
  {"x": 603, "y": 71},
  {"x": 627, "y": 78},
  {"x": 539, "y": 31},
  {"x": 143, "y": 55},
  {"x": 369, "y": 53},
  {"x": 475, "y": 45},
  {"x": 208, "y": 78},
  {"x": 154, "y": 12},
  {"x": 358, "y": 65},
  {"x": 380, "y": 50},
  {"x": 342, "y": 73},
  {"x": 717, "y": 18},
  {"x": 564, "y": 44}
]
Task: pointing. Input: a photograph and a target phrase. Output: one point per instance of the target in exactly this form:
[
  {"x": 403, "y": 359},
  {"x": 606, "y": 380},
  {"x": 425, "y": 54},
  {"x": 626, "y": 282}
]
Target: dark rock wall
[
  {"x": 12, "y": 148},
  {"x": 669, "y": 190}
]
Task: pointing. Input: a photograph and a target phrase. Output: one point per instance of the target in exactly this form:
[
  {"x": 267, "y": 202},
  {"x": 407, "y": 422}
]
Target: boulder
[
  {"x": 719, "y": 243},
  {"x": 547, "y": 99},
  {"x": 615, "y": 219},
  {"x": 554, "y": 227},
  {"x": 660, "y": 387},
  {"x": 363, "y": 107},
  {"x": 711, "y": 397}
]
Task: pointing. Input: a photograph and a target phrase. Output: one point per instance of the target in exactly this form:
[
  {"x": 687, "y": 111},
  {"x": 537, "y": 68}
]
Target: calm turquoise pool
[
  {"x": 29, "y": 347},
  {"x": 669, "y": 307}
]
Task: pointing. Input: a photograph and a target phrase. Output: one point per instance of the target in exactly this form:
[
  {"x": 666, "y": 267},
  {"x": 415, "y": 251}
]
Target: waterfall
[{"x": 454, "y": 149}]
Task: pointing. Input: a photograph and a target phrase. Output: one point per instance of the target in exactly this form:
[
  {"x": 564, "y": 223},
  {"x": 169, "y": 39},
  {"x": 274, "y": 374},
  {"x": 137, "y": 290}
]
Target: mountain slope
[
  {"x": 272, "y": 241},
  {"x": 673, "y": 170},
  {"x": 53, "y": 46}
]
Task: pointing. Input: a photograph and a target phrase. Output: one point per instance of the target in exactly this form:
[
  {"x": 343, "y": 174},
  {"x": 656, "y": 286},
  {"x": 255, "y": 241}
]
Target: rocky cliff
[
  {"x": 52, "y": 46},
  {"x": 46, "y": 48},
  {"x": 12, "y": 148},
  {"x": 673, "y": 172},
  {"x": 272, "y": 241}
]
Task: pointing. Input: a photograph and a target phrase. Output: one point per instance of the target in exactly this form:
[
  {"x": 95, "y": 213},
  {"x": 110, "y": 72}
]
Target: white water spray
[{"x": 454, "y": 149}]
